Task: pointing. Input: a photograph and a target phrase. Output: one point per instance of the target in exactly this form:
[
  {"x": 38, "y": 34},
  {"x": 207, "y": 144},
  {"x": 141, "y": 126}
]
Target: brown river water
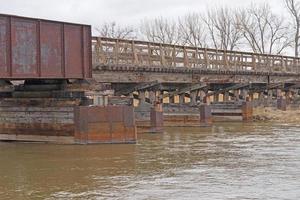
[{"x": 228, "y": 161}]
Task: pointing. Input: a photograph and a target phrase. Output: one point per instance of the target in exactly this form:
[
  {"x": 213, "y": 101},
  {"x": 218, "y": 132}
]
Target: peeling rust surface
[
  {"x": 3, "y": 46},
  {"x": 105, "y": 124},
  {"x": 51, "y": 52},
  {"x": 24, "y": 48},
  {"x": 35, "y": 48}
]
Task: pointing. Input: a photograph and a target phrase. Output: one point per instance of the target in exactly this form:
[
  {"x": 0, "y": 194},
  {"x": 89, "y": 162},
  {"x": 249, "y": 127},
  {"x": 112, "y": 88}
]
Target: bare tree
[
  {"x": 161, "y": 30},
  {"x": 113, "y": 30},
  {"x": 222, "y": 28},
  {"x": 264, "y": 31},
  {"x": 194, "y": 33},
  {"x": 294, "y": 9}
]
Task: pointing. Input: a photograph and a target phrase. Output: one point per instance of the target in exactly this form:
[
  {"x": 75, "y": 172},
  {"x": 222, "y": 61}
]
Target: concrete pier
[
  {"x": 104, "y": 124},
  {"x": 281, "y": 104},
  {"x": 157, "y": 119},
  {"x": 54, "y": 111},
  {"x": 65, "y": 122},
  {"x": 34, "y": 120},
  {"x": 205, "y": 115}
]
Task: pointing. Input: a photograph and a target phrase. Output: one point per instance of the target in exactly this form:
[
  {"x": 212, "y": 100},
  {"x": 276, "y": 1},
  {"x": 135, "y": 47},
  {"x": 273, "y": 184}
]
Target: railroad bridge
[
  {"x": 191, "y": 72},
  {"x": 51, "y": 71}
]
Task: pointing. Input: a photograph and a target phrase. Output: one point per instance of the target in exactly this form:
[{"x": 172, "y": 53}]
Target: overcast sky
[{"x": 96, "y": 12}]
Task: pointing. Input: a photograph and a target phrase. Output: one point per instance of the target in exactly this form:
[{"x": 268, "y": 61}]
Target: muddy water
[{"x": 228, "y": 161}]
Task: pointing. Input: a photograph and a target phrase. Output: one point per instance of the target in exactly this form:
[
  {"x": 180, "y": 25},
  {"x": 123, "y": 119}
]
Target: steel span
[{"x": 42, "y": 49}]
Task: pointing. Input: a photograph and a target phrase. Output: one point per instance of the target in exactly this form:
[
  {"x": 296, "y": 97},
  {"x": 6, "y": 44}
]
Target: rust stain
[
  {"x": 105, "y": 124},
  {"x": 24, "y": 48},
  {"x": 3, "y": 46},
  {"x": 44, "y": 49}
]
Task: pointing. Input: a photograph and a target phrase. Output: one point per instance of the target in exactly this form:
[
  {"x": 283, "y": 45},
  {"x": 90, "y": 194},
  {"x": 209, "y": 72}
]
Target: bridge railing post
[
  {"x": 282, "y": 64},
  {"x": 196, "y": 64},
  {"x": 162, "y": 55},
  {"x": 149, "y": 54},
  {"x": 206, "y": 59},
  {"x": 116, "y": 52},
  {"x": 185, "y": 57},
  {"x": 174, "y": 56},
  {"x": 295, "y": 66},
  {"x": 134, "y": 54},
  {"x": 225, "y": 59},
  {"x": 253, "y": 62},
  {"x": 98, "y": 50},
  {"x": 286, "y": 64}
]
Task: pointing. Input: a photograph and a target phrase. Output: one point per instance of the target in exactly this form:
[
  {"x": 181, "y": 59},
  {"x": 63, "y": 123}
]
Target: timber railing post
[
  {"x": 268, "y": 64},
  {"x": 116, "y": 52},
  {"x": 134, "y": 54},
  {"x": 295, "y": 65},
  {"x": 235, "y": 61},
  {"x": 98, "y": 49},
  {"x": 157, "y": 118},
  {"x": 197, "y": 57},
  {"x": 225, "y": 60},
  {"x": 174, "y": 56},
  {"x": 206, "y": 58},
  {"x": 185, "y": 57},
  {"x": 282, "y": 65},
  {"x": 205, "y": 114},
  {"x": 247, "y": 110},
  {"x": 162, "y": 55},
  {"x": 149, "y": 54},
  {"x": 253, "y": 62}
]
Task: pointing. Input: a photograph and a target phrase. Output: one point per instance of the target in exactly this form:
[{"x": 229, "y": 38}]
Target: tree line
[{"x": 256, "y": 28}]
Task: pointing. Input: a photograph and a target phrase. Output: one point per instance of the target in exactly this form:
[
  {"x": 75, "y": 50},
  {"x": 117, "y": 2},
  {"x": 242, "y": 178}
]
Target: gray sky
[{"x": 96, "y": 12}]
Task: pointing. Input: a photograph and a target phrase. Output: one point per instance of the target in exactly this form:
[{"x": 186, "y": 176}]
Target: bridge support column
[
  {"x": 202, "y": 96},
  {"x": 156, "y": 118},
  {"x": 244, "y": 94},
  {"x": 281, "y": 104},
  {"x": 251, "y": 96},
  {"x": 160, "y": 96},
  {"x": 247, "y": 111},
  {"x": 261, "y": 98},
  {"x": 171, "y": 99},
  {"x": 296, "y": 93},
  {"x": 288, "y": 96},
  {"x": 193, "y": 97},
  {"x": 226, "y": 97},
  {"x": 205, "y": 115},
  {"x": 270, "y": 97},
  {"x": 104, "y": 124},
  {"x": 278, "y": 93},
  {"x": 216, "y": 98},
  {"x": 236, "y": 95},
  {"x": 181, "y": 98},
  {"x": 152, "y": 97},
  {"x": 142, "y": 97}
]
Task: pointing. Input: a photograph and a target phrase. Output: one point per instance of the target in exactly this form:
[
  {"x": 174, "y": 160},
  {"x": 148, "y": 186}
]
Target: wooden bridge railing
[{"x": 140, "y": 53}]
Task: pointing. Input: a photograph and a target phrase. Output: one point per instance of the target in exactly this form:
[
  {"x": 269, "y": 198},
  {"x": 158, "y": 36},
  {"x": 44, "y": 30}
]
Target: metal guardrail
[{"x": 111, "y": 51}]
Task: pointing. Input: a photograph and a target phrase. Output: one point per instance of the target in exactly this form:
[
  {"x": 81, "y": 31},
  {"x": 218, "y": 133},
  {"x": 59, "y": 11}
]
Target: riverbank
[{"x": 275, "y": 115}]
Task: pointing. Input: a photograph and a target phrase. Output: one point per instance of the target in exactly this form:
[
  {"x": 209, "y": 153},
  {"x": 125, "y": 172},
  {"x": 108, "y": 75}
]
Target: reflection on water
[{"x": 227, "y": 161}]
